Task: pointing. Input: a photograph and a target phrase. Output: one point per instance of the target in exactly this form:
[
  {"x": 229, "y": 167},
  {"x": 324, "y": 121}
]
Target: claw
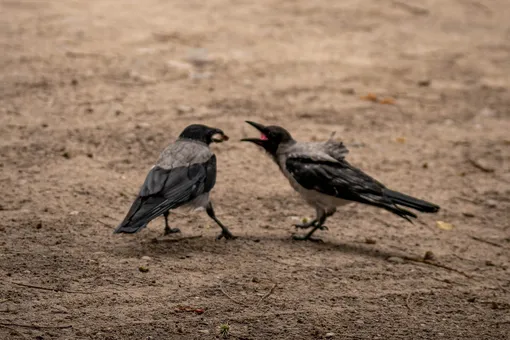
[
  {"x": 306, "y": 225},
  {"x": 304, "y": 238},
  {"x": 169, "y": 231},
  {"x": 226, "y": 234}
]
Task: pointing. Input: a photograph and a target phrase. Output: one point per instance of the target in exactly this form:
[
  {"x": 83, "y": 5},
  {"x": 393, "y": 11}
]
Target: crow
[
  {"x": 319, "y": 172},
  {"x": 182, "y": 177}
]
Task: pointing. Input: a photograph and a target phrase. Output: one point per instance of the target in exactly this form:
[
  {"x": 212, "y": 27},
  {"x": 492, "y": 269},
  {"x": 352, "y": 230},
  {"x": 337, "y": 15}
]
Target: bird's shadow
[{"x": 207, "y": 244}]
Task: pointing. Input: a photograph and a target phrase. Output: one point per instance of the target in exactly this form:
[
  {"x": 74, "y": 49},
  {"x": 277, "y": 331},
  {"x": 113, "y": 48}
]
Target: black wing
[
  {"x": 166, "y": 189},
  {"x": 342, "y": 180}
]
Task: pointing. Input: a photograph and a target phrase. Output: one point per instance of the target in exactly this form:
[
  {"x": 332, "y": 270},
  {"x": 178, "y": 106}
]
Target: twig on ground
[
  {"x": 247, "y": 305},
  {"x": 501, "y": 322},
  {"x": 486, "y": 241},
  {"x": 15, "y": 331},
  {"x": 502, "y": 288},
  {"x": 103, "y": 223},
  {"x": 49, "y": 288},
  {"x": 267, "y": 294},
  {"x": 9, "y": 324},
  {"x": 156, "y": 240},
  {"x": 477, "y": 165},
  {"x": 231, "y": 298},
  {"x": 411, "y": 9},
  {"x": 100, "y": 101},
  {"x": 435, "y": 264},
  {"x": 408, "y": 302},
  {"x": 4, "y": 300},
  {"x": 448, "y": 281}
]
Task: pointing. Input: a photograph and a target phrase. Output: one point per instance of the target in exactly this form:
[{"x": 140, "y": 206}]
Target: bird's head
[
  {"x": 203, "y": 133},
  {"x": 271, "y": 137}
]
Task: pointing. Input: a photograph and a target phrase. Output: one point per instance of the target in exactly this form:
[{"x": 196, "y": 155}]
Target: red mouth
[{"x": 263, "y": 137}]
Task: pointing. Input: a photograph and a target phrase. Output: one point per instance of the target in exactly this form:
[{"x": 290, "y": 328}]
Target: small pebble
[
  {"x": 488, "y": 112},
  {"x": 395, "y": 259},
  {"x": 489, "y": 263},
  {"x": 429, "y": 256},
  {"x": 142, "y": 125},
  {"x": 424, "y": 83},
  {"x": 491, "y": 203},
  {"x": 143, "y": 269},
  {"x": 184, "y": 109},
  {"x": 370, "y": 241},
  {"x": 329, "y": 335},
  {"x": 146, "y": 258}
]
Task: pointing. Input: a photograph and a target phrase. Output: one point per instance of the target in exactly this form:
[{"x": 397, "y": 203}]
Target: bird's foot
[
  {"x": 169, "y": 230},
  {"x": 306, "y": 238},
  {"x": 305, "y": 225},
  {"x": 309, "y": 225},
  {"x": 225, "y": 233}
]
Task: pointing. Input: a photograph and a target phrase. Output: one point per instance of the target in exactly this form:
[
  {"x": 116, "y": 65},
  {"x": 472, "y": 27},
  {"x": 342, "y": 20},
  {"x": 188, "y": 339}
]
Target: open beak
[
  {"x": 263, "y": 136},
  {"x": 219, "y": 137}
]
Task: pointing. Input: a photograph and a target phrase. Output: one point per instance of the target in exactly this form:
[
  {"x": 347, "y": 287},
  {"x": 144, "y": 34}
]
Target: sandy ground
[{"x": 92, "y": 91}]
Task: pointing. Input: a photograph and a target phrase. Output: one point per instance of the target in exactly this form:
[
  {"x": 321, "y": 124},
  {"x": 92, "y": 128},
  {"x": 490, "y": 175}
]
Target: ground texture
[{"x": 92, "y": 91}]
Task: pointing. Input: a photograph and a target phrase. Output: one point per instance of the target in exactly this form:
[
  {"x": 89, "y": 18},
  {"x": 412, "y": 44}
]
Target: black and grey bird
[
  {"x": 182, "y": 177},
  {"x": 320, "y": 173}
]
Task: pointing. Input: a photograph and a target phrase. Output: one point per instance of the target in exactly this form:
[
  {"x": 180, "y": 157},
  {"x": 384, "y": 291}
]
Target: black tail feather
[
  {"x": 411, "y": 202},
  {"x": 142, "y": 211}
]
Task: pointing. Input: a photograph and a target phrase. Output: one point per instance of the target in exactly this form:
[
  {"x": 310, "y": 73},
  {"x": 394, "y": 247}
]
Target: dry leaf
[
  {"x": 387, "y": 101},
  {"x": 370, "y": 97},
  {"x": 444, "y": 225},
  {"x": 401, "y": 140}
]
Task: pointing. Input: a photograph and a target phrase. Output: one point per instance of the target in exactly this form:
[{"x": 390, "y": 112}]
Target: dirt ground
[{"x": 92, "y": 91}]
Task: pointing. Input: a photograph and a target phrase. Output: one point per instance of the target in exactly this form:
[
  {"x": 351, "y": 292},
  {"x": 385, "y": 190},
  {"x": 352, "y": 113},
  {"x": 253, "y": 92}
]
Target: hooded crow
[
  {"x": 183, "y": 176},
  {"x": 320, "y": 173}
]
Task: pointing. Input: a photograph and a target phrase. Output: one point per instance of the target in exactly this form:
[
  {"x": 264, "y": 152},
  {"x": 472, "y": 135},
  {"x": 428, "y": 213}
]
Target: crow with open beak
[
  {"x": 320, "y": 173},
  {"x": 183, "y": 177}
]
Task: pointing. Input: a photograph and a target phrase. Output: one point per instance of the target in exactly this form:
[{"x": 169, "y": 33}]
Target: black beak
[{"x": 263, "y": 131}]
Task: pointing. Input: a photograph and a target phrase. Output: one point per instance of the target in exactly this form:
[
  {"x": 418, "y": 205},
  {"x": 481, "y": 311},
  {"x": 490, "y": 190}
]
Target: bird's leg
[
  {"x": 224, "y": 230},
  {"x": 321, "y": 217},
  {"x": 329, "y": 213},
  {"x": 313, "y": 222},
  {"x": 169, "y": 230},
  {"x": 306, "y": 225}
]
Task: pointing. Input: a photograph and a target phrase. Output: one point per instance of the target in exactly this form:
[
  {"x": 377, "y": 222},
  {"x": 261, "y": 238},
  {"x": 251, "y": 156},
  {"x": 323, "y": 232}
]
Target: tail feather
[
  {"x": 142, "y": 211},
  {"x": 411, "y": 202}
]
